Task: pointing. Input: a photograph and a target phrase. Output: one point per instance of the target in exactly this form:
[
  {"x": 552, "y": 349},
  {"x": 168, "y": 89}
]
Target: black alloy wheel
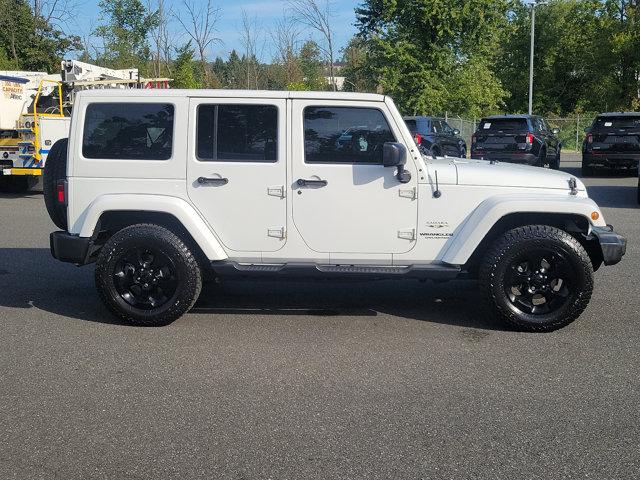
[
  {"x": 539, "y": 281},
  {"x": 145, "y": 278}
]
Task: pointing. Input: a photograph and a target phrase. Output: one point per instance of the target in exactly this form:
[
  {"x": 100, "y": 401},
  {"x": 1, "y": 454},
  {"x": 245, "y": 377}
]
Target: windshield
[
  {"x": 506, "y": 125},
  {"x": 626, "y": 123}
]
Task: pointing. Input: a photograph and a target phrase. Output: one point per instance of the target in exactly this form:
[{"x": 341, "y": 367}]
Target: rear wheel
[
  {"x": 537, "y": 278},
  {"x": 555, "y": 164},
  {"x": 146, "y": 275},
  {"x": 587, "y": 169}
]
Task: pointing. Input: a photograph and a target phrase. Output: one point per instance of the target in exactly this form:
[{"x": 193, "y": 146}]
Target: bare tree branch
[
  {"x": 317, "y": 14},
  {"x": 200, "y": 26}
]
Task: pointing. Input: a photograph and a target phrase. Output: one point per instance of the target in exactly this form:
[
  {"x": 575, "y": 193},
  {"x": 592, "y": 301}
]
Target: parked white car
[{"x": 158, "y": 187}]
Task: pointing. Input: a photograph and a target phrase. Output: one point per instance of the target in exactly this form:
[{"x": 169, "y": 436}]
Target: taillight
[
  {"x": 418, "y": 138},
  {"x": 61, "y": 192},
  {"x": 589, "y": 138},
  {"x": 529, "y": 138}
]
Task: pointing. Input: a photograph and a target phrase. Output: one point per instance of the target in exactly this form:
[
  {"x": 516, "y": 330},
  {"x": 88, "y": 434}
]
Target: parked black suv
[
  {"x": 434, "y": 136},
  {"x": 523, "y": 139},
  {"x": 612, "y": 141}
]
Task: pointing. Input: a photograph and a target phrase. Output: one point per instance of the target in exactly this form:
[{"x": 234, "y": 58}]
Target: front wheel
[
  {"x": 146, "y": 275},
  {"x": 537, "y": 278}
]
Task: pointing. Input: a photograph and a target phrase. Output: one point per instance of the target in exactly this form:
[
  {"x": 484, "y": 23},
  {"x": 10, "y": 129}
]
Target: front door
[
  {"x": 344, "y": 200},
  {"x": 236, "y": 172}
]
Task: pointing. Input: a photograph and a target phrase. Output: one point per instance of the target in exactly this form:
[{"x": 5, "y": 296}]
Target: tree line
[{"x": 470, "y": 57}]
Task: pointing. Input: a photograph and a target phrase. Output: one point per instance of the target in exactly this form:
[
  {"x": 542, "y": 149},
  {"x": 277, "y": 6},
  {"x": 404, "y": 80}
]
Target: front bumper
[
  {"x": 70, "y": 248},
  {"x": 613, "y": 245}
]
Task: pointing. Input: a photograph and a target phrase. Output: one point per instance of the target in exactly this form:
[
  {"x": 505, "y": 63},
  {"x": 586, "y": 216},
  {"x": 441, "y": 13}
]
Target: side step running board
[{"x": 435, "y": 272}]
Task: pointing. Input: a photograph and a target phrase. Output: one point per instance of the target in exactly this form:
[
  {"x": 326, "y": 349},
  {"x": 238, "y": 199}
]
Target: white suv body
[{"x": 276, "y": 182}]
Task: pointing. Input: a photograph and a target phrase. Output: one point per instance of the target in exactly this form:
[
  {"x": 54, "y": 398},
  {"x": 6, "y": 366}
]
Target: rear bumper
[
  {"x": 70, "y": 248},
  {"x": 611, "y": 159},
  {"x": 613, "y": 245},
  {"x": 515, "y": 157}
]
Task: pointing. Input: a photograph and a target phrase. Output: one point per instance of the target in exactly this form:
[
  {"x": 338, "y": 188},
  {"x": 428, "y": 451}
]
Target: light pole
[{"x": 533, "y": 44}]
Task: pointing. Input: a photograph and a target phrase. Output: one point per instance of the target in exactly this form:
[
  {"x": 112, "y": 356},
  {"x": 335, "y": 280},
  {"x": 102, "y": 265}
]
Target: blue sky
[{"x": 266, "y": 13}]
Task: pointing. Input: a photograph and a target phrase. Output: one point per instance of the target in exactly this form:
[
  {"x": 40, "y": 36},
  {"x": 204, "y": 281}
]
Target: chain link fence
[{"x": 571, "y": 128}]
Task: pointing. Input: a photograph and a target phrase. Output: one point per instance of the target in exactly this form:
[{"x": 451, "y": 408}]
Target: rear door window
[
  {"x": 237, "y": 133},
  {"x": 128, "y": 131}
]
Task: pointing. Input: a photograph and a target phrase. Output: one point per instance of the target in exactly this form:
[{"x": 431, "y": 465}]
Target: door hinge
[
  {"x": 412, "y": 194},
  {"x": 278, "y": 191},
  {"x": 407, "y": 234},
  {"x": 279, "y": 232}
]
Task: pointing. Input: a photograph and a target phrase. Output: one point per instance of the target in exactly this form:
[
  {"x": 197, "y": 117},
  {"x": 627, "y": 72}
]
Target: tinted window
[
  {"x": 237, "y": 133},
  {"x": 446, "y": 128},
  {"x": 412, "y": 125},
  {"x": 132, "y": 131},
  {"x": 345, "y": 135},
  {"x": 617, "y": 123},
  {"x": 507, "y": 125}
]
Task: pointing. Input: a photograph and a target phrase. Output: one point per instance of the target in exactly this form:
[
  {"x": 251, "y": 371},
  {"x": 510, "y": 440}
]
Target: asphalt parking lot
[{"x": 304, "y": 381}]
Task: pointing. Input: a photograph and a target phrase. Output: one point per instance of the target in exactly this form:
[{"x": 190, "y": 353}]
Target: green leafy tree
[
  {"x": 184, "y": 67},
  {"x": 30, "y": 42},
  {"x": 125, "y": 33},
  {"x": 357, "y": 69},
  {"x": 421, "y": 52},
  {"x": 311, "y": 65}
]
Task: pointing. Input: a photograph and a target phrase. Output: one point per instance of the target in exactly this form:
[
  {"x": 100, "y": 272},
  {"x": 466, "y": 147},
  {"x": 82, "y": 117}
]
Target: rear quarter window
[{"x": 128, "y": 131}]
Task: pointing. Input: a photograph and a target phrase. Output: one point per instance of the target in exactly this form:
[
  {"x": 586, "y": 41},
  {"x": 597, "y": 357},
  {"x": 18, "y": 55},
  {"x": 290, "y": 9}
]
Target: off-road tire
[
  {"x": 587, "y": 169},
  {"x": 555, "y": 165},
  {"x": 512, "y": 244},
  {"x": 17, "y": 183},
  {"x": 55, "y": 169},
  {"x": 187, "y": 273}
]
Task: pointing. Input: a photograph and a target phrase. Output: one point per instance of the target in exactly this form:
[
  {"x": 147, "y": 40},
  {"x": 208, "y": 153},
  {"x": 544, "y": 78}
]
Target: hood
[{"x": 484, "y": 173}]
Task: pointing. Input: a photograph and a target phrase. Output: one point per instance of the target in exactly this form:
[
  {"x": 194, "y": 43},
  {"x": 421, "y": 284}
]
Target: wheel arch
[
  {"x": 110, "y": 213},
  {"x": 499, "y": 215}
]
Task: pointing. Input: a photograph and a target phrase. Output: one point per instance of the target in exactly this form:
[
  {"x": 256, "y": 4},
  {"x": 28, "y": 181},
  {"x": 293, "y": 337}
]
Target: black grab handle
[{"x": 312, "y": 183}]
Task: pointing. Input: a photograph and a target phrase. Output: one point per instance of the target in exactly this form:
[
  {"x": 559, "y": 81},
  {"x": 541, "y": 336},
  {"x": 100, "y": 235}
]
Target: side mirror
[
  {"x": 456, "y": 132},
  {"x": 395, "y": 155},
  {"x": 555, "y": 131}
]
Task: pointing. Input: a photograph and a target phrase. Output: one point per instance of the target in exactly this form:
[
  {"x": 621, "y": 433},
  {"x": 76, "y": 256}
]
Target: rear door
[
  {"x": 616, "y": 134},
  {"x": 345, "y": 201},
  {"x": 502, "y": 135},
  {"x": 236, "y": 171}
]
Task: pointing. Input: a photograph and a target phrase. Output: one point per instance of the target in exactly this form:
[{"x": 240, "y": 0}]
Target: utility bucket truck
[{"x": 35, "y": 112}]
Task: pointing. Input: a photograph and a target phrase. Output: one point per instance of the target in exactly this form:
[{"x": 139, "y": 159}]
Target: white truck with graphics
[{"x": 159, "y": 188}]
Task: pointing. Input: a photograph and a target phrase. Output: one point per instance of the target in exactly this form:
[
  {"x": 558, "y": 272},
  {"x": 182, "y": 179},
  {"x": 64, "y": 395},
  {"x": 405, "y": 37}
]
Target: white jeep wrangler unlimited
[{"x": 157, "y": 187}]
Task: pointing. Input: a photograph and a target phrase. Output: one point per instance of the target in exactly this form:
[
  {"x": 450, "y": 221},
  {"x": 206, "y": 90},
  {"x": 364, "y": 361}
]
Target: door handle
[
  {"x": 311, "y": 183},
  {"x": 212, "y": 181}
]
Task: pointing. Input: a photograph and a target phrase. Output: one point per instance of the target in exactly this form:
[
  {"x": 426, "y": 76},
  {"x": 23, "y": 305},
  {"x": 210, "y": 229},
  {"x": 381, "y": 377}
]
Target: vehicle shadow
[{"x": 31, "y": 279}]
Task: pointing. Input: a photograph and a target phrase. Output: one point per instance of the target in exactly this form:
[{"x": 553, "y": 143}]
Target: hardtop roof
[
  {"x": 619, "y": 114},
  {"x": 509, "y": 117},
  {"x": 220, "y": 93}
]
